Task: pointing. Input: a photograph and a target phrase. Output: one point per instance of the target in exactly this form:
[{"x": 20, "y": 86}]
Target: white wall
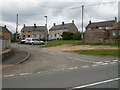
[{"x": 5, "y": 44}]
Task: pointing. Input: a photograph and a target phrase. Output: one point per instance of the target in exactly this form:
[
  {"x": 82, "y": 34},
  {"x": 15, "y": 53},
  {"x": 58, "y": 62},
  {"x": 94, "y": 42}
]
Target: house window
[
  {"x": 23, "y": 35},
  {"x": 113, "y": 33},
  {"x": 28, "y": 31},
  {"x": 55, "y": 35},
  {"x": 28, "y": 35},
  {"x": 51, "y": 35},
  {"x": 23, "y": 31}
]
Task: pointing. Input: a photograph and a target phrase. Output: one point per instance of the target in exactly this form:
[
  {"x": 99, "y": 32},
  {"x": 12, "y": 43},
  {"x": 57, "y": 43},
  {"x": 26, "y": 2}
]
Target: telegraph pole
[
  {"x": 82, "y": 22},
  {"x": 16, "y": 26},
  {"x": 46, "y": 27}
]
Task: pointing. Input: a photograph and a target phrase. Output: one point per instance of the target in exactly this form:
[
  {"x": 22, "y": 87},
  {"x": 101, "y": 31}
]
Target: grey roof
[
  {"x": 33, "y": 28},
  {"x": 101, "y": 24},
  {"x": 4, "y": 29},
  {"x": 58, "y": 27}
]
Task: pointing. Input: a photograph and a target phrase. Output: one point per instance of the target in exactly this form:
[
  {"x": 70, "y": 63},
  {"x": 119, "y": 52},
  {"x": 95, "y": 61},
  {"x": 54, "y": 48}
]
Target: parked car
[
  {"x": 22, "y": 41},
  {"x": 33, "y": 41}
]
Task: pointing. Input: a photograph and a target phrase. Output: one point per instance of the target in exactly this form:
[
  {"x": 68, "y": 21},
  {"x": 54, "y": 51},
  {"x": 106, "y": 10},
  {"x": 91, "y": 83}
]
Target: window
[
  {"x": 113, "y": 33},
  {"x": 55, "y": 35},
  {"x": 28, "y": 35},
  {"x": 51, "y": 35},
  {"x": 28, "y": 31},
  {"x": 23, "y": 35}
]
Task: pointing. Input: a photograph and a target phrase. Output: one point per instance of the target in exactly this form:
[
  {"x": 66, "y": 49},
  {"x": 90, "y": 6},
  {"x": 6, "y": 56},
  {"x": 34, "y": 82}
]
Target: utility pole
[
  {"x": 16, "y": 26},
  {"x": 82, "y": 22},
  {"x": 46, "y": 27}
]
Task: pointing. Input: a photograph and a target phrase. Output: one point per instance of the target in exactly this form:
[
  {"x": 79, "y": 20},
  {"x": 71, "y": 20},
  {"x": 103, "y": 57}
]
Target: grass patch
[
  {"x": 98, "y": 52},
  {"x": 62, "y": 42},
  {"x": 76, "y": 42}
]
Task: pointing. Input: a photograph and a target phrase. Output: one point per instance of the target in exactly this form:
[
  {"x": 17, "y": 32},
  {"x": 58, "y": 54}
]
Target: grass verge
[
  {"x": 62, "y": 42},
  {"x": 98, "y": 52},
  {"x": 76, "y": 42}
]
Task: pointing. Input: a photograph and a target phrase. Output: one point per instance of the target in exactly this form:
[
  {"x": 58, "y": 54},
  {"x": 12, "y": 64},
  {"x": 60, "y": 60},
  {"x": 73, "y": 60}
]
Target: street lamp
[{"x": 46, "y": 27}]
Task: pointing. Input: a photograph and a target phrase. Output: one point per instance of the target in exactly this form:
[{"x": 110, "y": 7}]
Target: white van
[{"x": 33, "y": 41}]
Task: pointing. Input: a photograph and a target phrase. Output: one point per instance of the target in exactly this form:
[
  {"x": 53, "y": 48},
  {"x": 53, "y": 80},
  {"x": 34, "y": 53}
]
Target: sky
[{"x": 57, "y": 11}]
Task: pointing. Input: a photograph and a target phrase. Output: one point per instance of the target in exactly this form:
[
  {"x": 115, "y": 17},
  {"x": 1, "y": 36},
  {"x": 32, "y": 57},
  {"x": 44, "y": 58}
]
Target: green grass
[
  {"x": 62, "y": 42},
  {"x": 98, "y": 52},
  {"x": 76, "y": 42}
]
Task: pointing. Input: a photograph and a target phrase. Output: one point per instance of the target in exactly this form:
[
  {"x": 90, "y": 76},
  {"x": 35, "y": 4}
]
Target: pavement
[
  {"x": 17, "y": 57},
  {"x": 56, "y": 69}
]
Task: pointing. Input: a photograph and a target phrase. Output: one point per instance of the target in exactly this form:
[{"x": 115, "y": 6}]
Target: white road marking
[
  {"x": 85, "y": 66},
  {"x": 93, "y": 84},
  {"x": 115, "y": 60},
  {"x": 95, "y": 65},
  {"x": 25, "y": 73},
  {"x": 107, "y": 61},
  {"x": 72, "y": 68},
  {"x": 9, "y": 75},
  {"x": 104, "y": 64},
  {"x": 98, "y": 62},
  {"x": 81, "y": 60}
]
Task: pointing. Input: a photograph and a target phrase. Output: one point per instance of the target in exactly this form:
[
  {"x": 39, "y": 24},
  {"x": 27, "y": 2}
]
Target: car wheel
[{"x": 32, "y": 43}]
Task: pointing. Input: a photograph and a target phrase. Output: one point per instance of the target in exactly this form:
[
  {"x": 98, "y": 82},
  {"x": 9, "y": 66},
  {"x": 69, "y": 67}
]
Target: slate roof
[
  {"x": 101, "y": 24},
  {"x": 58, "y": 27},
  {"x": 4, "y": 29},
  {"x": 33, "y": 28}
]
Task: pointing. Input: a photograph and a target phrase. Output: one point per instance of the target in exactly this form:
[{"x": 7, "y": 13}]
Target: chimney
[
  {"x": 53, "y": 24},
  {"x": 35, "y": 25},
  {"x": 73, "y": 21},
  {"x": 5, "y": 26},
  {"x": 24, "y": 25},
  {"x": 116, "y": 19},
  {"x": 89, "y": 21},
  {"x": 62, "y": 23}
]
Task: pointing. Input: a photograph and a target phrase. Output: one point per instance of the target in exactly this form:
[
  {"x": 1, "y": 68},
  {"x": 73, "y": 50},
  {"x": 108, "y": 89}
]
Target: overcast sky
[{"x": 57, "y": 11}]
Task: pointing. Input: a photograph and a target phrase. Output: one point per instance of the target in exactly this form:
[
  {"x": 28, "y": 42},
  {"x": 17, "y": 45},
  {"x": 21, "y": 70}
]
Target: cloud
[{"x": 33, "y": 11}]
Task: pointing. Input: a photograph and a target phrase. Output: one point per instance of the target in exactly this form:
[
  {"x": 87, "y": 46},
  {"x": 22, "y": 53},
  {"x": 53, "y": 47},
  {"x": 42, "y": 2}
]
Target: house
[
  {"x": 5, "y": 37},
  {"x": 98, "y": 32},
  {"x": 115, "y": 31},
  {"x": 56, "y": 31},
  {"x": 5, "y": 34},
  {"x": 39, "y": 32}
]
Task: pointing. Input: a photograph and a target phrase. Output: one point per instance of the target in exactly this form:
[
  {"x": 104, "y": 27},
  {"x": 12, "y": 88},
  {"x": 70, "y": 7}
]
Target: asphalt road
[{"x": 54, "y": 69}]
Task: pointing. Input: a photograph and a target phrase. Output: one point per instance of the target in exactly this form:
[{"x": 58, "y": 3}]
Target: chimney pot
[
  {"x": 24, "y": 25},
  {"x": 89, "y": 21},
  {"x": 115, "y": 18},
  {"x": 35, "y": 25},
  {"x": 62, "y": 23},
  {"x": 53, "y": 24},
  {"x": 5, "y": 26},
  {"x": 73, "y": 21}
]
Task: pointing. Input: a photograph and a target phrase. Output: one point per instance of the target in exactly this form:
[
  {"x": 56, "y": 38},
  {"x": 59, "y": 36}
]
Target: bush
[{"x": 71, "y": 36}]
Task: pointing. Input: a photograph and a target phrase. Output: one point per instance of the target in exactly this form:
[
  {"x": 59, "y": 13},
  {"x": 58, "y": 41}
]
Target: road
[{"x": 55, "y": 69}]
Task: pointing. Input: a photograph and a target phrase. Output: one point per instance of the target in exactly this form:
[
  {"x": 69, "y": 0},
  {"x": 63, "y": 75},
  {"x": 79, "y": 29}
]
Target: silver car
[{"x": 33, "y": 41}]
